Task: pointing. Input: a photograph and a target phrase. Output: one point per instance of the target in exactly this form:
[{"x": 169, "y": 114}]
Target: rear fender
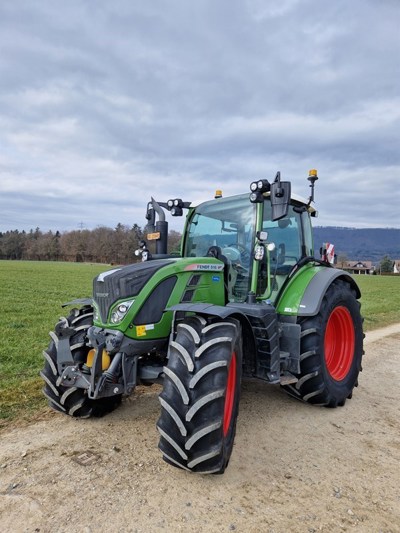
[{"x": 304, "y": 293}]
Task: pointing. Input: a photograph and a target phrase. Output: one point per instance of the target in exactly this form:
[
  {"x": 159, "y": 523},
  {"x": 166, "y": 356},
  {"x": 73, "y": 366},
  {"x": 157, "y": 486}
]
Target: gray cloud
[{"x": 103, "y": 105}]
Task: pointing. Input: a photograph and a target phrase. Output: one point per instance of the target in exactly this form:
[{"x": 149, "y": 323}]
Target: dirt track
[{"x": 294, "y": 467}]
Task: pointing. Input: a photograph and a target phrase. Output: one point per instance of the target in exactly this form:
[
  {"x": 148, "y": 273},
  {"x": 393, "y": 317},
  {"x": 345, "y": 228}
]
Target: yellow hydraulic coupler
[{"x": 105, "y": 360}]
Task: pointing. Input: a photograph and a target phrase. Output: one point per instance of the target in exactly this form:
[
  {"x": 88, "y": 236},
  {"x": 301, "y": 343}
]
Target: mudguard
[
  {"x": 79, "y": 301},
  {"x": 205, "y": 309},
  {"x": 303, "y": 295}
]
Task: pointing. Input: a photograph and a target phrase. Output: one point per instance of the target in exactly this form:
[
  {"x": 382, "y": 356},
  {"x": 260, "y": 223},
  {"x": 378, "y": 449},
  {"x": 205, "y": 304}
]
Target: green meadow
[
  {"x": 31, "y": 294},
  {"x": 380, "y": 300}
]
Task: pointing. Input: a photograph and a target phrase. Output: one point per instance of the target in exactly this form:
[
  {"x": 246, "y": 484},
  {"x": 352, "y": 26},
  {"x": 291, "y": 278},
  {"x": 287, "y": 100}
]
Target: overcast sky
[{"x": 103, "y": 104}]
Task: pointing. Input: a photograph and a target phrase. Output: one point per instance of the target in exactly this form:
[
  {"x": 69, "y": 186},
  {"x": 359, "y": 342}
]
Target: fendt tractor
[{"x": 246, "y": 297}]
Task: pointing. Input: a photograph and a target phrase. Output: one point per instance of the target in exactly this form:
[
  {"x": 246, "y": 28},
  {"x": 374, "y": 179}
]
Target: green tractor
[{"x": 245, "y": 298}]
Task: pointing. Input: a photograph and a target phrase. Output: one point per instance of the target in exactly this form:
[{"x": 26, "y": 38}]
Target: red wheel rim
[
  {"x": 339, "y": 343},
  {"x": 230, "y": 394}
]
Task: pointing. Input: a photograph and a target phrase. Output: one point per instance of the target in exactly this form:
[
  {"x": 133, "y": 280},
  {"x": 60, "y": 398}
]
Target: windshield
[{"x": 228, "y": 224}]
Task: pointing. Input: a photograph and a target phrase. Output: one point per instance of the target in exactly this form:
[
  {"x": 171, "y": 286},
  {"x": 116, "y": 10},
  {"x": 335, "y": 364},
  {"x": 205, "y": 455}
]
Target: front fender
[
  {"x": 304, "y": 293},
  {"x": 203, "y": 309},
  {"x": 79, "y": 301}
]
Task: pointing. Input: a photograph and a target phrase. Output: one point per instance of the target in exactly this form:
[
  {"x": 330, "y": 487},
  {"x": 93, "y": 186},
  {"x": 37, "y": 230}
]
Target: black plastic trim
[
  {"x": 153, "y": 308},
  {"x": 312, "y": 298}
]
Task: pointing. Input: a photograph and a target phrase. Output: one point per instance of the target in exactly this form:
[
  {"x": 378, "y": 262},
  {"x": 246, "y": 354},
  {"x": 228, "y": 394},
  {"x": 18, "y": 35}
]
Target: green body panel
[
  {"x": 210, "y": 288},
  {"x": 256, "y": 264},
  {"x": 289, "y": 301}
]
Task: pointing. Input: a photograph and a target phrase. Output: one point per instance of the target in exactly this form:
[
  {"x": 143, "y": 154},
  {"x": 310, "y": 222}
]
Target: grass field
[
  {"x": 30, "y": 297},
  {"x": 380, "y": 300}
]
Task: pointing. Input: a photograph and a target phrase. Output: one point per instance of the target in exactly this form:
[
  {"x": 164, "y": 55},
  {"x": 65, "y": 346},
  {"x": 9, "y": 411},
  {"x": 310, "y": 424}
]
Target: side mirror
[
  {"x": 151, "y": 218},
  {"x": 280, "y": 197}
]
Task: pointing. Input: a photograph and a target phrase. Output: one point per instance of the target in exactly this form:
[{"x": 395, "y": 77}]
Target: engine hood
[{"x": 124, "y": 282}]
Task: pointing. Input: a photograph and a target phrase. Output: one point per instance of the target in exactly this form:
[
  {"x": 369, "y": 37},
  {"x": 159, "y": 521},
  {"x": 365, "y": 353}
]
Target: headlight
[{"x": 119, "y": 312}]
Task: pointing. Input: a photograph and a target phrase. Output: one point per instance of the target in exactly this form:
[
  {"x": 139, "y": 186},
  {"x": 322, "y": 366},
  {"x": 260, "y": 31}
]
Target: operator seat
[{"x": 215, "y": 251}]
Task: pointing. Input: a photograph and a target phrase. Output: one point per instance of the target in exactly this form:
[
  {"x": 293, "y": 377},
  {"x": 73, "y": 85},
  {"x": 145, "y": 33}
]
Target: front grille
[{"x": 125, "y": 282}]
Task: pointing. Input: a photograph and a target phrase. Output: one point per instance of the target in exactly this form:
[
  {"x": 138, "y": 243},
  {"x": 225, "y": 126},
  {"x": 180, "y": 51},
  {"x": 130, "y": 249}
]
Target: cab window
[{"x": 286, "y": 235}]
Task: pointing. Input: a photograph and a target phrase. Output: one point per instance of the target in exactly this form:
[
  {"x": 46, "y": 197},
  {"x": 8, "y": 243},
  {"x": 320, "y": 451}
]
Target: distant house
[
  {"x": 359, "y": 267},
  {"x": 396, "y": 266}
]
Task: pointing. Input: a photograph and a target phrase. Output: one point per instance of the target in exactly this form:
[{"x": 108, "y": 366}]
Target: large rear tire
[
  {"x": 72, "y": 400},
  {"x": 331, "y": 349},
  {"x": 200, "y": 397}
]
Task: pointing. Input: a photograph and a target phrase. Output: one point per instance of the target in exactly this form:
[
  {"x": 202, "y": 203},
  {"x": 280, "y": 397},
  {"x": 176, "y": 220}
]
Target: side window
[
  {"x": 286, "y": 235},
  {"x": 308, "y": 234}
]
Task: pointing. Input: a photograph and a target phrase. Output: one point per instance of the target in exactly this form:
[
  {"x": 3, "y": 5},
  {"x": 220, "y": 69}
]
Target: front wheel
[
  {"x": 200, "y": 397},
  {"x": 331, "y": 349}
]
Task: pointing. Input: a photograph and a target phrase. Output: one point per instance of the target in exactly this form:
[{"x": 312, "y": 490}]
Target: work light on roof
[
  {"x": 257, "y": 189},
  {"x": 260, "y": 186}
]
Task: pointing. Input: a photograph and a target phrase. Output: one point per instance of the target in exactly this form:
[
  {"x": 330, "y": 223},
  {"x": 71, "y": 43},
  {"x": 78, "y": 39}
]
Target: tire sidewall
[{"x": 341, "y": 297}]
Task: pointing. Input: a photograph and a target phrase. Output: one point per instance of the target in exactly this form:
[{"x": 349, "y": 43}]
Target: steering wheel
[
  {"x": 245, "y": 256},
  {"x": 238, "y": 254}
]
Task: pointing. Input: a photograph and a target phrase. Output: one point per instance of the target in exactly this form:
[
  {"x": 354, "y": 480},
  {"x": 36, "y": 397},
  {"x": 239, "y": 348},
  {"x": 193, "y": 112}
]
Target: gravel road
[{"x": 294, "y": 467}]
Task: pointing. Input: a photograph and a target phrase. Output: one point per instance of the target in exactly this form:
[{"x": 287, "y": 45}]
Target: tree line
[{"x": 100, "y": 245}]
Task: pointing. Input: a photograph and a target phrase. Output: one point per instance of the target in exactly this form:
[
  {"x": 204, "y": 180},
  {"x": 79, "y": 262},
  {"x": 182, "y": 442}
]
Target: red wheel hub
[
  {"x": 339, "y": 343},
  {"x": 230, "y": 394}
]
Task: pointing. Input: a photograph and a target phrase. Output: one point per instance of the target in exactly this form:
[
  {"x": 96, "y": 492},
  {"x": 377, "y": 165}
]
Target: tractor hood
[
  {"x": 136, "y": 299},
  {"x": 124, "y": 282}
]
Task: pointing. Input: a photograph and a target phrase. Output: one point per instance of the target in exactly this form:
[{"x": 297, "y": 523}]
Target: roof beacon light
[
  {"x": 312, "y": 178},
  {"x": 218, "y": 194}
]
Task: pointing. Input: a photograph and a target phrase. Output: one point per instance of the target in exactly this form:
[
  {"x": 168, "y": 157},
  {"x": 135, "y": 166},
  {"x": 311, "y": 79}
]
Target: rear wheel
[
  {"x": 200, "y": 397},
  {"x": 72, "y": 400},
  {"x": 331, "y": 349}
]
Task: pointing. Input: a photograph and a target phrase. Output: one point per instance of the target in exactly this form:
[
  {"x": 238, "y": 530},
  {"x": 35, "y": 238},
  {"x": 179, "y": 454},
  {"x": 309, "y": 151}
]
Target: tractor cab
[
  {"x": 258, "y": 251},
  {"x": 260, "y": 238}
]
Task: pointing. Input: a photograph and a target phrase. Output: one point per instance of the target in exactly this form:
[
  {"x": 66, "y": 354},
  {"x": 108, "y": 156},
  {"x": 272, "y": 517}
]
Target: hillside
[{"x": 360, "y": 244}]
